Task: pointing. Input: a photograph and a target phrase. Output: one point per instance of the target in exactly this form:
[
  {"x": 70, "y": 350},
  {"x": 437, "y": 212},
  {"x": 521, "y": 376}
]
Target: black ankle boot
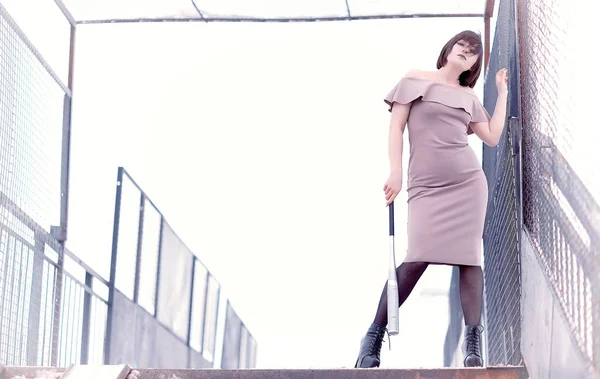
[
  {"x": 472, "y": 346},
  {"x": 370, "y": 347}
]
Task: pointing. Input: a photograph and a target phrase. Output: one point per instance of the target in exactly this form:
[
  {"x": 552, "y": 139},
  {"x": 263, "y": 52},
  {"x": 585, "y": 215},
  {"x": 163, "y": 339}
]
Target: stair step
[
  {"x": 378, "y": 373},
  {"x": 120, "y": 372}
]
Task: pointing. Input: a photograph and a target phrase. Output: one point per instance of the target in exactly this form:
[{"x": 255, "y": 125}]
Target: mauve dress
[{"x": 447, "y": 189}]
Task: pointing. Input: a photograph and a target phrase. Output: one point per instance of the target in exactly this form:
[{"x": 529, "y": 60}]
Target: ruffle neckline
[{"x": 410, "y": 89}]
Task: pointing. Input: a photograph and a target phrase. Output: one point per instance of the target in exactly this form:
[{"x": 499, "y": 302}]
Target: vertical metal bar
[
  {"x": 225, "y": 328},
  {"x": 488, "y": 13},
  {"x": 12, "y": 302},
  {"x": 516, "y": 80},
  {"x": 158, "y": 262},
  {"x": 35, "y": 303},
  {"x": 189, "y": 336},
  {"x": 71, "y": 57},
  {"x": 204, "y": 311},
  {"x": 67, "y": 323},
  {"x": 138, "y": 258},
  {"x": 486, "y": 56},
  {"x": 87, "y": 317},
  {"x": 61, "y": 236},
  {"x": 66, "y": 146},
  {"x": 113, "y": 267},
  {"x": 515, "y": 129},
  {"x": 239, "y": 353},
  {"x": 595, "y": 325},
  {"x": 5, "y": 292},
  {"x": 16, "y": 305},
  {"x": 348, "y": 10},
  {"x": 213, "y": 348},
  {"x": 59, "y": 278}
]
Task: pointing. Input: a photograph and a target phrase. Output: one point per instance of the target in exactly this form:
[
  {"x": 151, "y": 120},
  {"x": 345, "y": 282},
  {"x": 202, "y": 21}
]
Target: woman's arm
[
  {"x": 398, "y": 120},
  {"x": 490, "y": 132},
  {"x": 395, "y": 142}
]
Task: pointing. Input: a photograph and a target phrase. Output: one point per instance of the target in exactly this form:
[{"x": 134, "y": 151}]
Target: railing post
[
  {"x": 35, "y": 303},
  {"x": 86, "y": 319},
  {"x": 113, "y": 267},
  {"x": 138, "y": 255},
  {"x": 59, "y": 278}
]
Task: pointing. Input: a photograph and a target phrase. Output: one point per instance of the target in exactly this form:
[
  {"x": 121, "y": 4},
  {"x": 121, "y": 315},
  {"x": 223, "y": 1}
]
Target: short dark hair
[{"x": 469, "y": 77}]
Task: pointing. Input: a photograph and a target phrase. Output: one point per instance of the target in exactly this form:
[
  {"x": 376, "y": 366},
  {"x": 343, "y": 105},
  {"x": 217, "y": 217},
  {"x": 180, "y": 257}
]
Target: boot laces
[
  {"x": 375, "y": 345},
  {"x": 472, "y": 339}
]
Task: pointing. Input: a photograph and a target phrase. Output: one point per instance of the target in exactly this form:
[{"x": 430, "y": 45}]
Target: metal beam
[
  {"x": 486, "y": 43},
  {"x": 348, "y": 9},
  {"x": 66, "y": 12},
  {"x": 488, "y": 13},
  {"x": 274, "y": 20},
  {"x": 489, "y": 8},
  {"x": 198, "y": 10}
]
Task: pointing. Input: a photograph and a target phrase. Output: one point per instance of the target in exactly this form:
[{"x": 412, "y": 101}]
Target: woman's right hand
[{"x": 392, "y": 186}]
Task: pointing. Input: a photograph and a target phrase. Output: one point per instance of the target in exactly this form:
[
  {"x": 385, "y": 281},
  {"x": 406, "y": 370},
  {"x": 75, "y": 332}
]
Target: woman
[{"x": 447, "y": 189}]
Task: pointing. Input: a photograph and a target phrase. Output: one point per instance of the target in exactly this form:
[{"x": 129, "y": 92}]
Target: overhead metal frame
[
  {"x": 201, "y": 17},
  {"x": 486, "y": 15},
  {"x": 282, "y": 19}
]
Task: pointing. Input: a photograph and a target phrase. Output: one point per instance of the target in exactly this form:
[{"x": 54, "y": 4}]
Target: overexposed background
[{"x": 265, "y": 147}]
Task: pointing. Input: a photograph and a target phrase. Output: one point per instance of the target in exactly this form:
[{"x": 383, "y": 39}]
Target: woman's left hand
[{"x": 502, "y": 81}]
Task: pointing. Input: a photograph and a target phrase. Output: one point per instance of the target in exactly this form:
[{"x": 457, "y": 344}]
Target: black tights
[{"x": 409, "y": 273}]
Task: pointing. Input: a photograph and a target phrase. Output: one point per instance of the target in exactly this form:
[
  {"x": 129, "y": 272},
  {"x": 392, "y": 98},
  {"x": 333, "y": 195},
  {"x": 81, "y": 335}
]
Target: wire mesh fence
[
  {"x": 45, "y": 310},
  {"x": 31, "y": 126},
  {"x": 502, "y": 269},
  {"x": 540, "y": 174},
  {"x": 53, "y": 307},
  {"x": 31, "y": 129},
  {"x": 561, "y": 186}
]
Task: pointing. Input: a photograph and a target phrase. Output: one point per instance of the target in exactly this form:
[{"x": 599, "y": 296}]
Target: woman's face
[{"x": 462, "y": 55}]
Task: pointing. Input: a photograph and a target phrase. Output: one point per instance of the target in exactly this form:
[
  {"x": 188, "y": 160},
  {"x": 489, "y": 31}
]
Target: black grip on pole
[{"x": 391, "y": 207}]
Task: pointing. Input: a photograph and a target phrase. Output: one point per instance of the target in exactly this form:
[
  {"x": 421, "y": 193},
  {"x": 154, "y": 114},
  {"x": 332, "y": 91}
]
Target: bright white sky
[{"x": 265, "y": 147}]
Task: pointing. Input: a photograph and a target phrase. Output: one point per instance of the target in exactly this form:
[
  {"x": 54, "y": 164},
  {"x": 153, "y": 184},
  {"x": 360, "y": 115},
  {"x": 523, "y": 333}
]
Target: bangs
[{"x": 473, "y": 39}]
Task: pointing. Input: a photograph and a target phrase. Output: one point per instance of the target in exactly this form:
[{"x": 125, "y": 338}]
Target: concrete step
[
  {"x": 126, "y": 372},
  {"x": 444, "y": 373}
]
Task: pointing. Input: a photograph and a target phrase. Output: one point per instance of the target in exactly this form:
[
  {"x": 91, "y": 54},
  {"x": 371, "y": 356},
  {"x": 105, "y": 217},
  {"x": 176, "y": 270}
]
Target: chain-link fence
[
  {"x": 31, "y": 128},
  {"x": 502, "y": 269},
  {"x": 52, "y": 311},
  {"x": 53, "y": 307},
  {"x": 540, "y": 177},
  {"x": 561, "y": 185}
]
